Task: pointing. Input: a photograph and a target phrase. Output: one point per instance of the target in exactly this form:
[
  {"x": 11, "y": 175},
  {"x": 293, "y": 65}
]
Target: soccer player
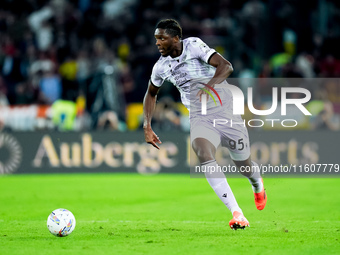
[{"x": 190, "y": 64}]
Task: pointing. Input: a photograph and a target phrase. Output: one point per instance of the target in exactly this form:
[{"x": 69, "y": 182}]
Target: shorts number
[{"x": 232, "y": 144}]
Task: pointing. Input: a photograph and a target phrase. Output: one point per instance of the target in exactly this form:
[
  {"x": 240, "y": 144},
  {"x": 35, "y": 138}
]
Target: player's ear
[{"x": 177, "y": 39}]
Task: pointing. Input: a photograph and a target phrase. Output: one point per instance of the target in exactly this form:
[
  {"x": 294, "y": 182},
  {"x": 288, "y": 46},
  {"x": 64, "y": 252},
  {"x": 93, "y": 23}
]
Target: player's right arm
[{"x": 149, "y": 105}]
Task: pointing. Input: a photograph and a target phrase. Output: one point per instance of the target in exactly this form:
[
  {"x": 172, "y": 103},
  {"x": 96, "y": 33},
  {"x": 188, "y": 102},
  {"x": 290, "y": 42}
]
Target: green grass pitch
[{"x": 166, "y": 214}]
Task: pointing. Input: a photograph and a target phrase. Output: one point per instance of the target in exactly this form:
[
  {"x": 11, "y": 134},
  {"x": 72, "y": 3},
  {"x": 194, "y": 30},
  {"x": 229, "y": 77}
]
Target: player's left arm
[{"x": 223, "y": 69}]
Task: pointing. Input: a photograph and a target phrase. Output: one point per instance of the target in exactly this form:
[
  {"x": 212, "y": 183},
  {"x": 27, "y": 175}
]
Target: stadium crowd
[{"x": 85, "y": 64}]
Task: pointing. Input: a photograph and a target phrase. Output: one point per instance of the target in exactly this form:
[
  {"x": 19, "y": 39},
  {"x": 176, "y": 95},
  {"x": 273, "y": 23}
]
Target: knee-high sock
[
  {"x": 219, "y": 184},
  {"x": 255, "y": 179}
]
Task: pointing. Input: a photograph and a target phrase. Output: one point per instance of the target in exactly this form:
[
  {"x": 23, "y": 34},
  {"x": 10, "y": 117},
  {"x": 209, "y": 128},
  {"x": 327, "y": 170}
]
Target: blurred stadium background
[{"x": 73, "y": 74}]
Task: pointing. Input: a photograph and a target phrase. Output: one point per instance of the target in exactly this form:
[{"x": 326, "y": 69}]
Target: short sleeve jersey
[{"x": 191, "y": 65}]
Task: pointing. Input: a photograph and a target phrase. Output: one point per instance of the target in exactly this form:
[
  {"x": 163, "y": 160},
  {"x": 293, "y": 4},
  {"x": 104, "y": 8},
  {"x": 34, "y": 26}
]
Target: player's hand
[
  {"x": 151, "y": 137},
  {"x": 202, "y": 93}
]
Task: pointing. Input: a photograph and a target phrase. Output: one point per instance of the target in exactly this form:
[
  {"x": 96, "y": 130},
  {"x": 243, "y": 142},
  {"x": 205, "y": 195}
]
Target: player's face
[{"x": 164, "y": 42}]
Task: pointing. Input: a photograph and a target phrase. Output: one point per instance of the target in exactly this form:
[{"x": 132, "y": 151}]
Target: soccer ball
[{"x": 61, "y": 222}]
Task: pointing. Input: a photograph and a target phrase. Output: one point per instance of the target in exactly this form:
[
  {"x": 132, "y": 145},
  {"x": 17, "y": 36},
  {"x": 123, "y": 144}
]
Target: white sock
[
  {"x": 255, "y": 179},
  {"x": 219, "y": 184}
]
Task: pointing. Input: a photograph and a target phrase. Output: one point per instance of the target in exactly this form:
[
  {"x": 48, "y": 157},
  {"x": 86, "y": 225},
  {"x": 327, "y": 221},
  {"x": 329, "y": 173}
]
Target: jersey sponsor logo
[{"x": 179, "y": 66}]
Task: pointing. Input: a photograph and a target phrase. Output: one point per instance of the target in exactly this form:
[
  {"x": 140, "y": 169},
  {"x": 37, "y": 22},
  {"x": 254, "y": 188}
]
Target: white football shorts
[{"x": 219, "y": 129}]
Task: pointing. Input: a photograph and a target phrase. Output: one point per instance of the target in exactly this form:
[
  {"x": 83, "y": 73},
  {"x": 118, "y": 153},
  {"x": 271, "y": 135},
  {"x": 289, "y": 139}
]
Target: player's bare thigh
[{"x": 204, "y": 149}]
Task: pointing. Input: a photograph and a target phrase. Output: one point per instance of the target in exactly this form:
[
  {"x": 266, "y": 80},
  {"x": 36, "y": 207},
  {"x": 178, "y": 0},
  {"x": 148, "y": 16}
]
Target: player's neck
[{"x": 177, "y": 50}]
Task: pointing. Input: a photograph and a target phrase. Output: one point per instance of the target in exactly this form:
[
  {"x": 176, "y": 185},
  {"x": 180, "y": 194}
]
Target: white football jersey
[{"x": 185, "y": 70}]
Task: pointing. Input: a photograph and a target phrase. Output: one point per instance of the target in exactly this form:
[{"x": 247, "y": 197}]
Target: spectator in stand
[
  {"x": 3, "y": 93},
  {"x": 127, "y": 82},
  {"x": 305, "y": 64},
  {"x": 50, "y": 85},
  {"x": 11, "y": 67},
  {"x": 326, "y": 119},
  {"x": 329, "y": 67},
  {"x": 166, "y": 115},
  {"x": 39, "y": 24}
]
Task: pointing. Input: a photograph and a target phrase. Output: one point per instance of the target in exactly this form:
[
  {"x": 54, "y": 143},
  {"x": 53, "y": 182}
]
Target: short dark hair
[{"x": 171, "y": 26}]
